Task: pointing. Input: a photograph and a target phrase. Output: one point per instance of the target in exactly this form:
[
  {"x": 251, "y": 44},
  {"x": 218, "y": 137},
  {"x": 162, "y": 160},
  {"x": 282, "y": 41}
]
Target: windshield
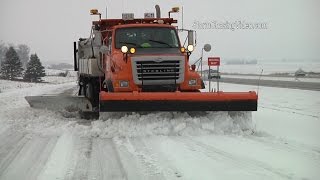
[{"x": 147, "y": 37}]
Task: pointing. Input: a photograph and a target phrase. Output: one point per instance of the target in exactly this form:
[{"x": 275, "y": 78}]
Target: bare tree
[{"x": 3, "y": 50}]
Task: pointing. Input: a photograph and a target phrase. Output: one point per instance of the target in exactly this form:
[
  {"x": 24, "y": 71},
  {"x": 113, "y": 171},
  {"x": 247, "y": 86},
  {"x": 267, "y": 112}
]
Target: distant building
[
  {"x": 61, "y": 66},
  {"x": 241, "y": 62}
]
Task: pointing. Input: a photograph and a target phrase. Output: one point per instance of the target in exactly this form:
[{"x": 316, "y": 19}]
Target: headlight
[
  {"x": 192, "y": 82},
  {"x": 190, "y": 48},
  {"x": 183, "y": 49},
  {"x": 124, "y": 83},
  {"x": 132, "y": 50},
  {"x": 124, "y": 49}
]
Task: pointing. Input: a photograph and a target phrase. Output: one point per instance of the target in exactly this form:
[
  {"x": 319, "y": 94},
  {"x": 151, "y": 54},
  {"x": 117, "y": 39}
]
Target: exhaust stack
[{"x": 158, "y": 12}]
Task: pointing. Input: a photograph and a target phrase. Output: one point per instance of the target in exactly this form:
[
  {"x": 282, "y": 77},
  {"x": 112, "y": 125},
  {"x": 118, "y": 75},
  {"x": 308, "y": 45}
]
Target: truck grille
[{"x": 152, "y": 72}]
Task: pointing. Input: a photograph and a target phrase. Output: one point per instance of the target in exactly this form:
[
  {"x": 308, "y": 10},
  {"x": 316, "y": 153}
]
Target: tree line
[{"x": 16, "y": 63}]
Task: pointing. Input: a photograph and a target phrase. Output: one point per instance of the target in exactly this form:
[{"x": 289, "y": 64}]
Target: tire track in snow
[
  {"x": 69, "y": 159},
  {"x": 84, "y": 148},
  {"x": 9, "y": 139},
  {"x": 28, "y": 161},
  {"x": 10, "y": 145},
  {"x": 60, "y": 160},
  {"x": 160, "y": 159},
  {"x": 148, "y": 160},
  {"x": 130, "y": 160},
  {"x": 105, "y": 161},
  {"x": 241, "y": 162}
]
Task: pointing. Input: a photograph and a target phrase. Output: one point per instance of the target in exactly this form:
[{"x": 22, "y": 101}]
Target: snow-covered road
[
  {"x": 31, "y": 156},
  {"x": 39, "y": 144}
]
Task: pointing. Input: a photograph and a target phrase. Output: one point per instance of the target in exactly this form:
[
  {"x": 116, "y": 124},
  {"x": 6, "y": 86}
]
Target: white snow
[
  {"x": 295, "y": 110},
  {"x": 168, "y": 123},
  {"x": 60, "y": 159}
]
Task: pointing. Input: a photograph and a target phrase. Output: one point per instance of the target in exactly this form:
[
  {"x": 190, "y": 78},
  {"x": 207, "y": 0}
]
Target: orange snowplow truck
[{"x": 134, "y": 64}]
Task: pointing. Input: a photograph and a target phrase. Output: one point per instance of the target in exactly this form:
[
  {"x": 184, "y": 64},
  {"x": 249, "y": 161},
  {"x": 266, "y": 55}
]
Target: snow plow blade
[
  {"x": 178, "y": 101},
  {"x": 59, "y": 103}
]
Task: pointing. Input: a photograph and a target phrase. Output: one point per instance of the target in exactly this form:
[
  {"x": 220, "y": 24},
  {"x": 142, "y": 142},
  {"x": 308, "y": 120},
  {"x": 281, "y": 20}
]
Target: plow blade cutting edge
[{"x": 178, "y": 101}]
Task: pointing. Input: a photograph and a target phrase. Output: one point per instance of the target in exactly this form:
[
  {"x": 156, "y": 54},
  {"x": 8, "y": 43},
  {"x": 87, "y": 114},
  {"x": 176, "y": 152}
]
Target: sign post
[{"x": 213, "y": 61}]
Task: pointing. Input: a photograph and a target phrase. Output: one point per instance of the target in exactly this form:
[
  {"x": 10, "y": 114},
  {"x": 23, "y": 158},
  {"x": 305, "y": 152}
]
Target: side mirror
[{"x": 190, "y": 38}]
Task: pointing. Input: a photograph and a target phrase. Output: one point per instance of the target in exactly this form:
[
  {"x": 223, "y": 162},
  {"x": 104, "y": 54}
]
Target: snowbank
[
  {"x": 129, "y": 125},
  {"x": 169, "y": 124}
]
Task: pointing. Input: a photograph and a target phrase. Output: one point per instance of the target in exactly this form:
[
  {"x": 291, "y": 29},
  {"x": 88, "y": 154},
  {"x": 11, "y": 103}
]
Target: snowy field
[
  {"x": 271, "y": 67},
  {"x": 299, "y": 79},
  {"x": 39, "y": 144}
]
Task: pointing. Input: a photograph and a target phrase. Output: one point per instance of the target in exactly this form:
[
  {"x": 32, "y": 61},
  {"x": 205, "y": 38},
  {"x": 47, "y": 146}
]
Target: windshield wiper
[
  {"x": 132, "y": 43},
  {"x": 160, "y": 42}
]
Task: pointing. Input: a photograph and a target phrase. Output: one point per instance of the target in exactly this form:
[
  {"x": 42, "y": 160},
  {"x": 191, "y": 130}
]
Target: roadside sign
[{"x": 213, "y": 61}]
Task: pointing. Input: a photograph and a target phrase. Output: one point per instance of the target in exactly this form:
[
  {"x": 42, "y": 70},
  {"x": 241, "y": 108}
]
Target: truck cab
[{"x": 148, "y": 57}]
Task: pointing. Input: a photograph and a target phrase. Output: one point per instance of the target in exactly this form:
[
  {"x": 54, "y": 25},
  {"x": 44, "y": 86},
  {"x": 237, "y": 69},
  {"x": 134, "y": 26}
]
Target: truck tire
[{"x": 89, "y": 91}]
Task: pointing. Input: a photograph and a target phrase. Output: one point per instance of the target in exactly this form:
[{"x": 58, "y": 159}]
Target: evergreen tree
[
  {"x": 35, "y": 70},
  {"x": 11, "y": 67}
]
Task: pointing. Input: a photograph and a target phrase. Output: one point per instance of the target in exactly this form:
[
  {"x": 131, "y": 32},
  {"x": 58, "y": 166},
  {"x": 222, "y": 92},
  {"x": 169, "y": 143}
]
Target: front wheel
[
  {"x": 89, "y": 91},
  {"x": 92, "y": 93}
]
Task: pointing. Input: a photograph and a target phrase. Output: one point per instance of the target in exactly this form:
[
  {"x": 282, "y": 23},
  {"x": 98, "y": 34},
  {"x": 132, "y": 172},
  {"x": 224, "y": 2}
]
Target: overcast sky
[{"x": 50, "y": 27}]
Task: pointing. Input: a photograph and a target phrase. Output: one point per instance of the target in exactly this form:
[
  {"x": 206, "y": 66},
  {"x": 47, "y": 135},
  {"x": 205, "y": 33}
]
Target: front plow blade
[
  {"x": 178, "y": 101},
  {"x": 59, "y": 103}
]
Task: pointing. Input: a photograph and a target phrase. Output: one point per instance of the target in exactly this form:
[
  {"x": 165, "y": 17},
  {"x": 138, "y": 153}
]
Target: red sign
[{"x": 213, "y": 61}]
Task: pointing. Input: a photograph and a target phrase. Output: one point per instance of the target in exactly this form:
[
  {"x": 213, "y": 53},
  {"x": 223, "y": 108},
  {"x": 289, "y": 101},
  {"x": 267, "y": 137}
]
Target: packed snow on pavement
[{"x": 282, "y": 142}]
